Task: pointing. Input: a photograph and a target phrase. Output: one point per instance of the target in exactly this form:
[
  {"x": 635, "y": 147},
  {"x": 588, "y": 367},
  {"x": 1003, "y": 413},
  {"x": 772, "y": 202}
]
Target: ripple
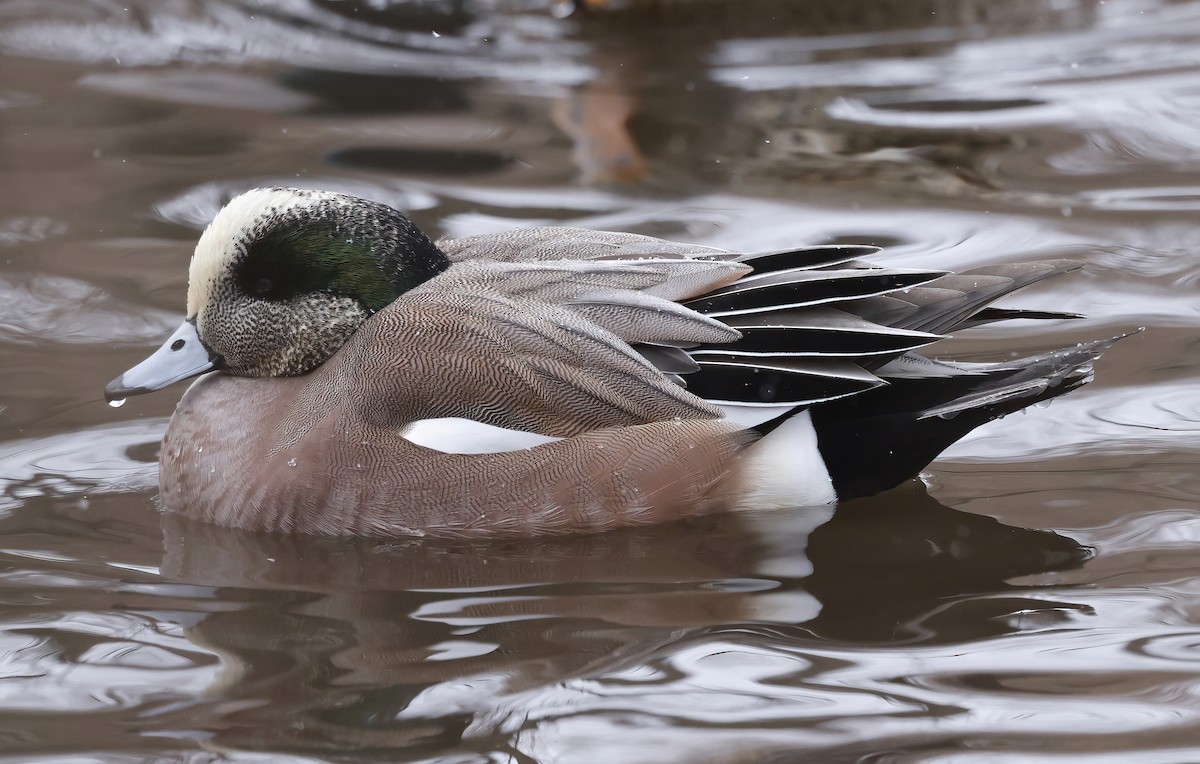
[
  {"x": 957, "y": 106},
  {"x": 1041, "y": 685},
  {"x": 39, "y": 307},
  {"x": 873, "y": 73},
  {"x": 1160, "y": 417},
  {"x": 681, "y": 604},
  {"x": 13, "y": 98},
  {"x": 936, "y": 238},
  {"x": 197, "y": 206},
  {"x": 1183, "y": 647},
  {"x": 23, "y": 230},
  {"x": 78, "y": 661},
  {"x": 918, "y": 111},
  {"x": 1163, "y": 529},
  {"x": 149, "y": 33},
  {"x": 95, "y": 460},
  {"x": 459, "y": 649},
  {"x": 703, "y": 683},
  {"x": 1102, "y": 701},
  {"x": 916, "y": 640},
  {"x": 1131, "y": 130},
  {"x": 1162, "y": 199},
  {"x": 1105, "y": 89},
  {"x": 220, "y": 89}
]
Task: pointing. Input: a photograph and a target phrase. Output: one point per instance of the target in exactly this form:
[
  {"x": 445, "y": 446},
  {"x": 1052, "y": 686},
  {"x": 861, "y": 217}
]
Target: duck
[{"x": 356, "y": 378}]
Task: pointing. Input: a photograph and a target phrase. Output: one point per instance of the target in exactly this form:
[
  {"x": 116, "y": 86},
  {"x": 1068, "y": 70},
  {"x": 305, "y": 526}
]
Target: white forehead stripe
[{"x": 216, "y": 247}]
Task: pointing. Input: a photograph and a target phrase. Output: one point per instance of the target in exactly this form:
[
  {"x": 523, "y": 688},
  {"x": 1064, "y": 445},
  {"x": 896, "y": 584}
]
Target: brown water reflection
[
  {"x": 1040, "y": 602},
  {"x": 305, "y": 645}
]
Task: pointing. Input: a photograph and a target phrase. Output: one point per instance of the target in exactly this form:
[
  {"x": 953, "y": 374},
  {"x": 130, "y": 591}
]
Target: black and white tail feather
[
  {"x": 838, "y": 337},
  {"x": 825, "y": 360}
]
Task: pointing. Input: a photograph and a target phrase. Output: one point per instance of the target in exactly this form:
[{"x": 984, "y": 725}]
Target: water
[{"x": 1035, "y": 601}]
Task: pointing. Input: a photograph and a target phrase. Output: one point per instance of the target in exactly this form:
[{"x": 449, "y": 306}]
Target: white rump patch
[
  {"x": 455, "y": 435},
  {"x": 786, "y": 469}
]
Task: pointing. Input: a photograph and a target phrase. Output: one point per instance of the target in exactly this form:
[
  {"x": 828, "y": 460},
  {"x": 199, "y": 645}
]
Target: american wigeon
[{"x": 366, "y": 381}]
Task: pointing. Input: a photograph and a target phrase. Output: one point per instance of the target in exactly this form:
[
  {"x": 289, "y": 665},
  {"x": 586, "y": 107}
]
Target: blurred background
[{"x": 1035, "y": 598}]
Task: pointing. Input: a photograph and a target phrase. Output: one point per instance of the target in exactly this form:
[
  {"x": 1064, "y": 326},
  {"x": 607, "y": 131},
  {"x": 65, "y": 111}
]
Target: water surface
[{"x": 1034, "y": 599}]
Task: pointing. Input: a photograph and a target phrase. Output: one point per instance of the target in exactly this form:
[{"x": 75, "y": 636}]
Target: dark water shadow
[
  {"x": 383, "y": 646},
  {"x": 355, "y": 93},
  {"x": 903, "y": 567},
  {"x": 442, "y": 16},
  {"x": 425, "y": 161}
]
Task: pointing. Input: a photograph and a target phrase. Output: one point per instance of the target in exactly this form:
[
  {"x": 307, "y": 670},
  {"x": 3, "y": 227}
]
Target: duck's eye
[{"x": 262, "y": 287}]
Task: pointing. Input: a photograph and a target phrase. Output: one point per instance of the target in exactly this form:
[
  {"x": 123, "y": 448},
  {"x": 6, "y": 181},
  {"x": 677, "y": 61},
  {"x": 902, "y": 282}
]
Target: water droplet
[
  {"x": 291, "y": 462},
  {"x": 118, "y": 403}
]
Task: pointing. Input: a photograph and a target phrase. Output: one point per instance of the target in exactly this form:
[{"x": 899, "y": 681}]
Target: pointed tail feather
[{"x": 876, "y": 440}]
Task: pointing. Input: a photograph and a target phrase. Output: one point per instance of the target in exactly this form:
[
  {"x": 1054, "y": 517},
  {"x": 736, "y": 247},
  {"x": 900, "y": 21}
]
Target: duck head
[{"x": 280, "y": 280}]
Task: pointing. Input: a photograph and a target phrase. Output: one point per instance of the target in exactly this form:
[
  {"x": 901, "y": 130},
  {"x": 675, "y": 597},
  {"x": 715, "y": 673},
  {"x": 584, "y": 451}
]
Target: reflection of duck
[
  {"x": 533, "y": 382},
  {"x": 924, "y": 555},
  {"x": 409, "y": 644}
]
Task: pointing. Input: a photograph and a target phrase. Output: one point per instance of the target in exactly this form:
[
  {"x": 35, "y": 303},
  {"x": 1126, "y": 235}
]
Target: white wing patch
[{"x": 455, "y": 435}]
